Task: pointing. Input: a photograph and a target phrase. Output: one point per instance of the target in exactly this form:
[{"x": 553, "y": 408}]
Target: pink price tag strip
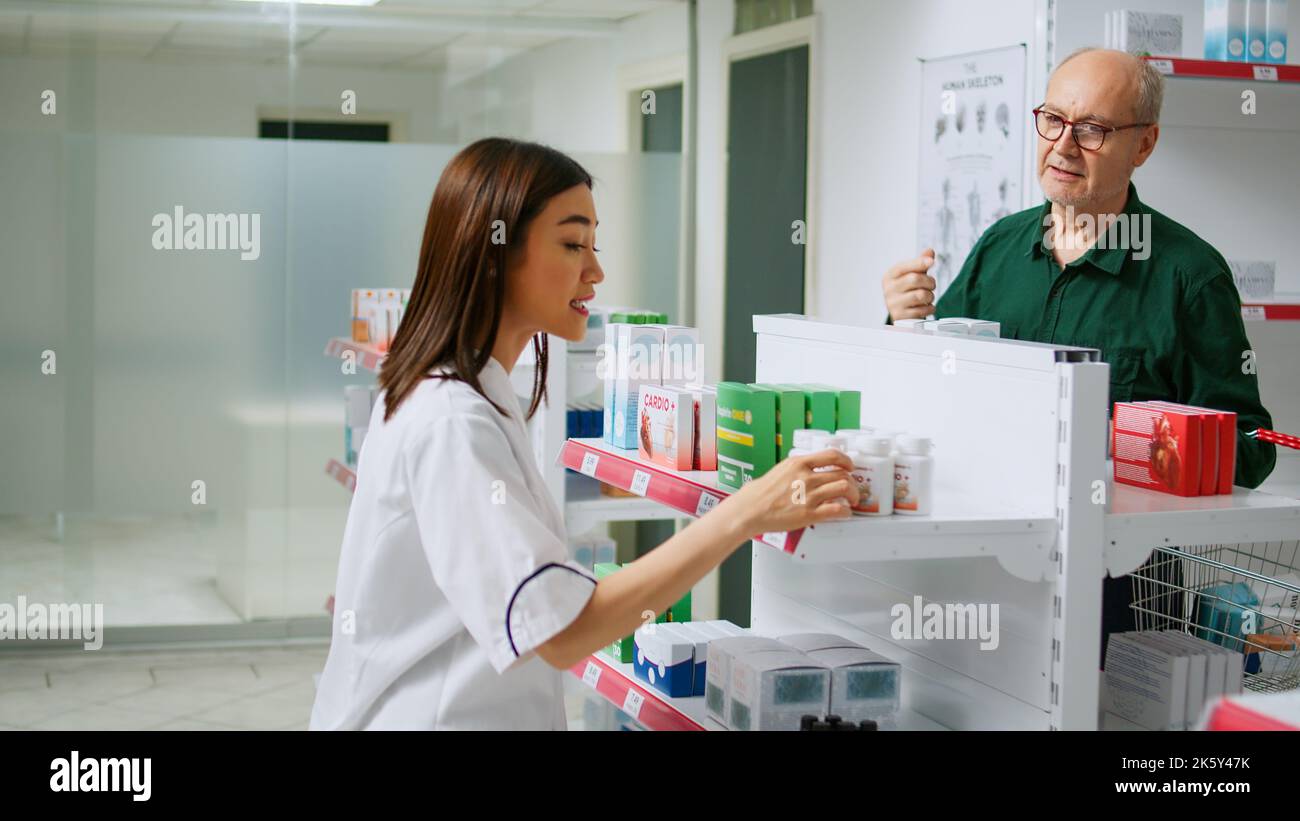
[{"x": 1283, "y": 439}]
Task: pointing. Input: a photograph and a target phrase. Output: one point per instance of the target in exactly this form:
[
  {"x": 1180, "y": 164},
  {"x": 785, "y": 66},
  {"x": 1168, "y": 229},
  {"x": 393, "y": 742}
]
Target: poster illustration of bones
[{"x": 973, "y": 126}]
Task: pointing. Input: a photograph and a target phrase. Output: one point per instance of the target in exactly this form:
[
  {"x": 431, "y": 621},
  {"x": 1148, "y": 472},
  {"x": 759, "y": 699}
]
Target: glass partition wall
[{"x": 188, "y": 193}]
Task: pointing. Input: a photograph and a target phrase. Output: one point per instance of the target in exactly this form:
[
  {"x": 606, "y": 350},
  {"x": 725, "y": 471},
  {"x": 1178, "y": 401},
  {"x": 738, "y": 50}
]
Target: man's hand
[{"x": 909, "y": 290}]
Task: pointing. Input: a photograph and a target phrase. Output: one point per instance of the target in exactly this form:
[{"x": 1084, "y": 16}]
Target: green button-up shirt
[{"x": 1169, "y": 325}]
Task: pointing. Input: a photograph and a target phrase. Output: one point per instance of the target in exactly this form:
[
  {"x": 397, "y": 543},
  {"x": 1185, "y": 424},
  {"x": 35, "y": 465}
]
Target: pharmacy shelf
[
  {"x": 1023, "y": 544},
  {"x": 342, "y": 474},
  {"x": 585, "y": 506},
  {"x": 615, "y": 682},
  {"x": 692, "y": 493},
  {"x": 1224, "y": 70},
  {"x": 1139, "y": 520},
  {"x": 1280, "y": 311},
  {"x": 368, "y": 356}
]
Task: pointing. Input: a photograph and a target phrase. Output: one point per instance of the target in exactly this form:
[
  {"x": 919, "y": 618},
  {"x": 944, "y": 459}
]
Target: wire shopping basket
[{"x": 1245, "y": 597}]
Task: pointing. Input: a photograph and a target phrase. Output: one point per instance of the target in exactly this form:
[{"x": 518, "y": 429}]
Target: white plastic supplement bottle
[
  {"x": 892, "y": 436},
  {"x": 853, "y": 434},
  {"x": 834, "y": 440},
  {"x": 808, "y": 440},
  {"x": 913, "y": 476},
  {"x": 873, "y": 470}
]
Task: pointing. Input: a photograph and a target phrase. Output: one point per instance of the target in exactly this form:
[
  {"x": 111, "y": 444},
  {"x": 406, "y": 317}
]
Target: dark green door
[{"x": 767, "y": 180}]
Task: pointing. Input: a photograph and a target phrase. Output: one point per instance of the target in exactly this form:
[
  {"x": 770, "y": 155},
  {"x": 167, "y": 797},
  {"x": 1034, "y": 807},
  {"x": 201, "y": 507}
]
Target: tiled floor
[
  {"x": 176, "y": 569},
  {"x": 239, "y": 689}
]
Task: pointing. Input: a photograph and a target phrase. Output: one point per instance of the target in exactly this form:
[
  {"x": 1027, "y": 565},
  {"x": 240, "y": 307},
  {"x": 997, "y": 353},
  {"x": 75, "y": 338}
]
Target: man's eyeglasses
[{"x": 1088, "y": 136}]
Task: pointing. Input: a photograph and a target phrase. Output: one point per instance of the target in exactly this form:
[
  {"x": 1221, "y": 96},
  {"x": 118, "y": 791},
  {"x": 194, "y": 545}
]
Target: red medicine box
[
  {"x": 1221, "y": 428},
  {"x": 1157, "y": 448}
]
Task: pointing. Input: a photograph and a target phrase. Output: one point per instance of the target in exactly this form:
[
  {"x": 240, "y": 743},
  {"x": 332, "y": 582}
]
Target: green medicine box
[
  {"x": 820, "y": 407},
  {"x": 620, "y": 649},
  {"x": 831, "y": 409},
  {"x": 791, "y": 415},
  {"x": 746, "y": 433},
  {"x": 624, "y": 649}
]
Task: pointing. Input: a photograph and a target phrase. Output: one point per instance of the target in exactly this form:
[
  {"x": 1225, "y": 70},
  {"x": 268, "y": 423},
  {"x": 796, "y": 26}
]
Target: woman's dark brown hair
[{"x": 454, "y": 313}]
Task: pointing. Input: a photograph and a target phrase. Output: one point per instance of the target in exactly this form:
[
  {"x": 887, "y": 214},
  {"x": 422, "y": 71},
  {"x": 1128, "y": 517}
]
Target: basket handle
[{"x": 1283, "y": 439}]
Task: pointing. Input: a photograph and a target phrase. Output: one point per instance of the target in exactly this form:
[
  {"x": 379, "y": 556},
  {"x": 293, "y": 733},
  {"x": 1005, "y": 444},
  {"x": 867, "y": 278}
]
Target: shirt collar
[
  {"x": 496, "y": 384},
  {"x": 1110, "y": 260}
]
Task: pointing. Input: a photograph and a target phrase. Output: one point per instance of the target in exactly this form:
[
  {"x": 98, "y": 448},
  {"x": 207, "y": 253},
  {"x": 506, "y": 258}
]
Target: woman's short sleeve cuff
[{"x": 543, "y": 605}]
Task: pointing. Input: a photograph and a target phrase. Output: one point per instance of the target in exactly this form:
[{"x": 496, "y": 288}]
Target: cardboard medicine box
[
  {"x": 791, "y": 413},
  {"x": 1157, "y": 448},
  {"x": 746, "y": 433},
  {"x": 637, "y": 361},
  {"x": 773, "y": 691},
  {"x": 666, "y": 426},
  {"x": 1223, "y": 426}
]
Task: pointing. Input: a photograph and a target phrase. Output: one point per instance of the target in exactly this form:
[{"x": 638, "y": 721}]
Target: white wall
[{"x": 867, "y": 105}]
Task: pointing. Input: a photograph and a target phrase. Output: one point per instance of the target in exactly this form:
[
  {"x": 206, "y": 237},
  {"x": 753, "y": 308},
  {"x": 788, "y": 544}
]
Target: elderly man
[{"x": 1095, "y": 266}]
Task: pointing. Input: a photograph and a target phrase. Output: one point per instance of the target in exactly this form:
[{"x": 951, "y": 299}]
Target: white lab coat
[{"x": 454, "y": 569}]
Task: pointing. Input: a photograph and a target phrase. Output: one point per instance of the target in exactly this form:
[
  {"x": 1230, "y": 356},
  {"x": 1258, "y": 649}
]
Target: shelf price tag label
[
  {"x": 632, "y": 703},
  {"x": 1253, "y": 313},
  {"x": 707, "y": 502},
  {"x": 640, "y": 481},
  {"x": 591, "y": 675},
  {"x": 589, "y": 461},
  {"x": 1265, "y": 73},
  {"x": 1162, "y": 66}
]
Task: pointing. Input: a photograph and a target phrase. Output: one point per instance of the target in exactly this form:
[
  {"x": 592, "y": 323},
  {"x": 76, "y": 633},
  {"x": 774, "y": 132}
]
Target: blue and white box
[
  {"x": 607, "y": 370},
  {"x": 682, "y": 362},
  {"x": 665, "y": 658},
  {"x": 639, "y": 349},
  {"x": 1275, "y": 44},
  {"x": 1216, "y": 29},
  {"x": 700, "y": 636},
  {"x": 701, "y": 633},
  {"x": 1236, "y": 30},
  {"x": 1256, "y": 30},
  {"x": 604, "y": 551}
]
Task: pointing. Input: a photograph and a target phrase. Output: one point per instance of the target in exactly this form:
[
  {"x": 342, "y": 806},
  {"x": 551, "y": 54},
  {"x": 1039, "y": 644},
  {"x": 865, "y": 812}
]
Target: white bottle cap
[
  {"x": 836, "y": 442},
  {"x": 874, "y": 445},
  {"x": 918, "y": 445},
  {"x": 850, "y": 433},
  {"x": 809, "y": 439},
  {"x": 891, "y": 435}
]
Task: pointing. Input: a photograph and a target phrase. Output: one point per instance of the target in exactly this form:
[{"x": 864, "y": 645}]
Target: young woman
[{"x": 457, "y": 606}]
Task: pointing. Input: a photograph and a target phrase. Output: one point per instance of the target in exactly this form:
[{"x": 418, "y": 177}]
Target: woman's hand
[{"x": 793, "y": 495}]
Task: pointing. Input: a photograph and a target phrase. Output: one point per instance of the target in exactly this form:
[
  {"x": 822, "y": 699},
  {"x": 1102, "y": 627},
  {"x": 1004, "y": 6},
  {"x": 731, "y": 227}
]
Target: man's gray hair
[{"x": 1150, "y": 86}]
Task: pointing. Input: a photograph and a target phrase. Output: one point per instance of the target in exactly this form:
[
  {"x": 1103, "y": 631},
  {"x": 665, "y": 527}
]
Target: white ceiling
[{"x": 393, "y": 33}]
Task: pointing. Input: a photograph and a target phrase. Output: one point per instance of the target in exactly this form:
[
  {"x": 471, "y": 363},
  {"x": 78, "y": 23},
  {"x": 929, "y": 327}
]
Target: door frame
[
  {"x": 800, "y": 32},
  {"x": 633, "y": 78}
]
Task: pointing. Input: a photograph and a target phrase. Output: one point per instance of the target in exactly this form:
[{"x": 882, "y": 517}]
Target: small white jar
[
  {"x": 808, "y": 440},
  {"x": 873, "y": 470},
  {"x": 913, "y": 476}
]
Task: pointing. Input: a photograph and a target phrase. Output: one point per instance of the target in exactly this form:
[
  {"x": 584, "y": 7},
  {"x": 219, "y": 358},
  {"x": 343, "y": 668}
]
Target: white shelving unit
[{"x": 1020, "y": 443}]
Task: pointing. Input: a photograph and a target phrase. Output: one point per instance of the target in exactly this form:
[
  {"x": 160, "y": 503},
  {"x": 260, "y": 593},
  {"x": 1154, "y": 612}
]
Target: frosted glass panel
[
  {"x": 189, "y": 362},
  {"x": 32, "y": 321},
  {"x": 192, "y": 411}
]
